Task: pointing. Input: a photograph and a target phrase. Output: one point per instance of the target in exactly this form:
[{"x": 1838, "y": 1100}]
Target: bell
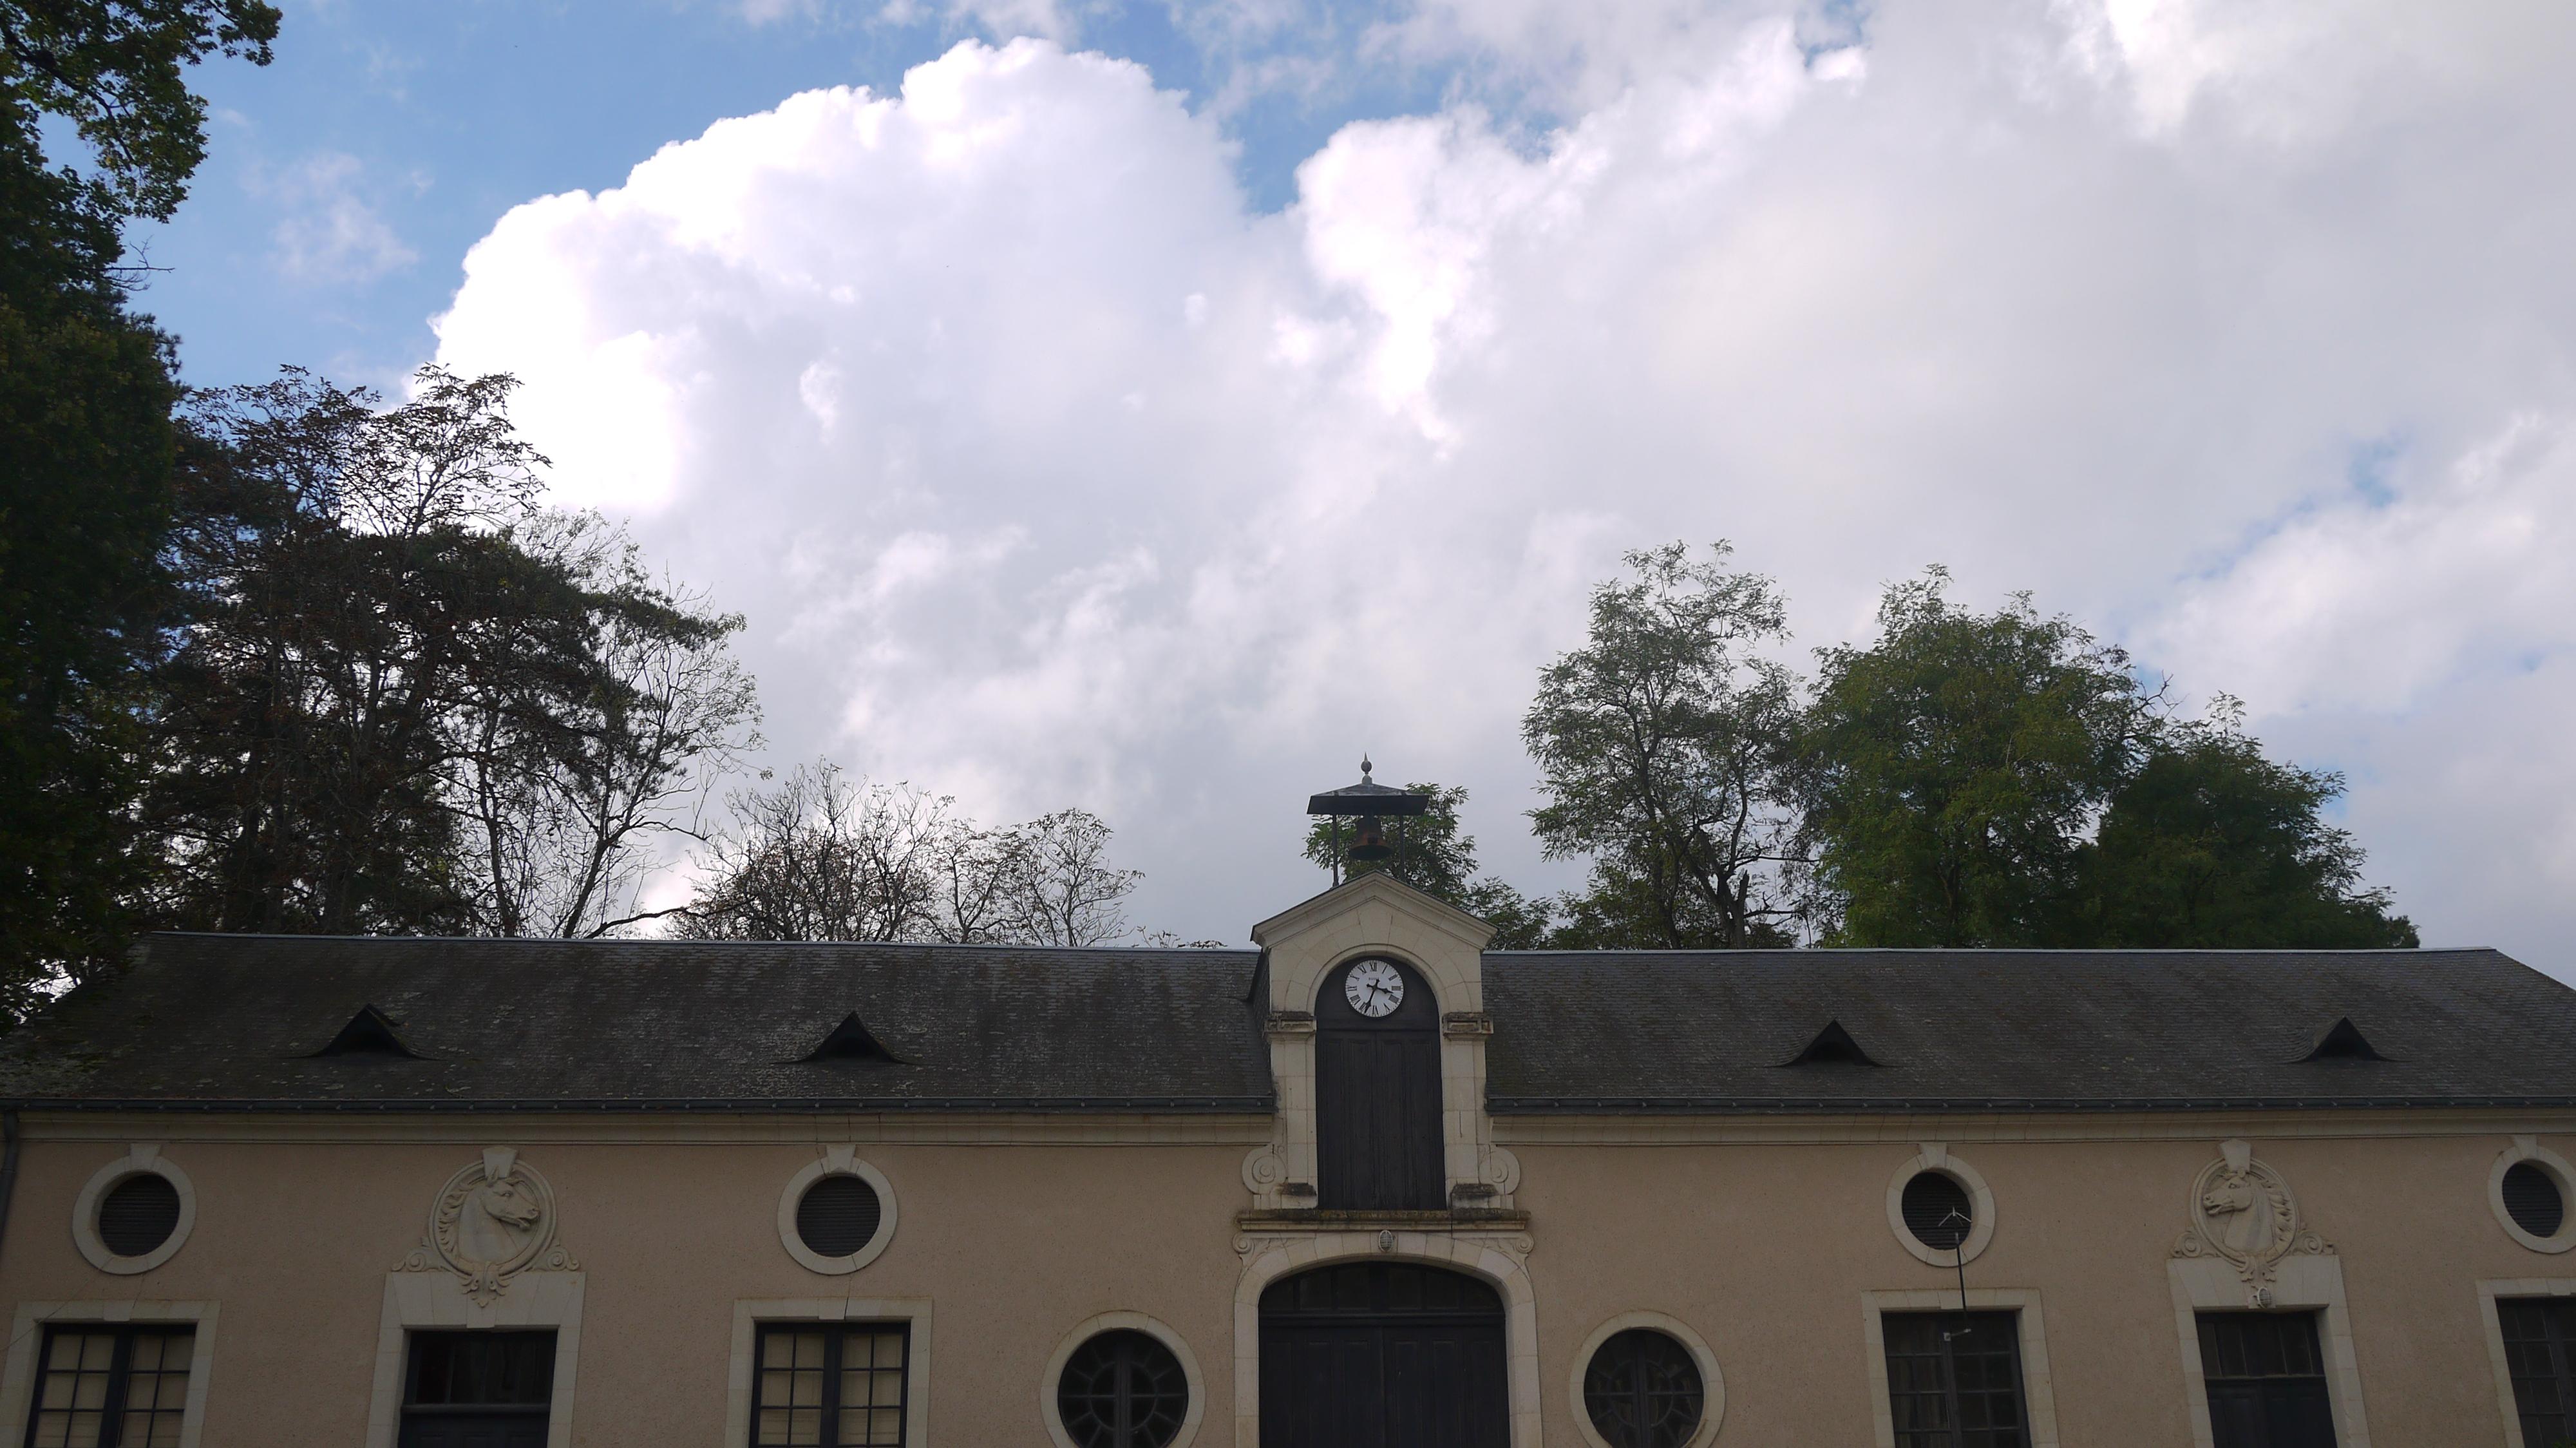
[{"x": 1370, "y": 843}]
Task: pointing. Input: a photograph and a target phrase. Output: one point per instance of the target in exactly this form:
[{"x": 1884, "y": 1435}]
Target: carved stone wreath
[
  {"x": 492, "y": 1221},
  {"x": 2241, "y": 1211}
]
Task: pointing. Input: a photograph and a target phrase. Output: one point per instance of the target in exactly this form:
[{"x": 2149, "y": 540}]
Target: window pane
[{"x": 829, "y": 1387}]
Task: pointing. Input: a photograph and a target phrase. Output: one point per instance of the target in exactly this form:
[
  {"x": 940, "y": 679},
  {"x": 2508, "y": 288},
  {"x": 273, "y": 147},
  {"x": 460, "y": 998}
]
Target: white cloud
[
  {"x": 329, "y": 232},
  {"x": 1049, "y": 471}
]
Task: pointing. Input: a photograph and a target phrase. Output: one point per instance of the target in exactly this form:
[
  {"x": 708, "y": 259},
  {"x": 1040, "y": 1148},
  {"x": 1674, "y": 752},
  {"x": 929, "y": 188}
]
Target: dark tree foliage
[
  {"x": 368, "y": 637},
  {"x": 117, "y": 70},
  {"x": 85, "y": 451},
  {"x": 1439, "y": 859},
  {"x": 2211, "y": 844}
]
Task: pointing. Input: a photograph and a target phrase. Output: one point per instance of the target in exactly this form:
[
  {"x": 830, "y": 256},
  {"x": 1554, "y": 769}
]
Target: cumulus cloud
[
  {"x": 328, "y": 230},
  {"x": 1051, "y": 471}
]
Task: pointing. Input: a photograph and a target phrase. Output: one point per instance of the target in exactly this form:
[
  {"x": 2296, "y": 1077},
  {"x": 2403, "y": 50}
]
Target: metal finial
[{"x": 1365, "y": 767}]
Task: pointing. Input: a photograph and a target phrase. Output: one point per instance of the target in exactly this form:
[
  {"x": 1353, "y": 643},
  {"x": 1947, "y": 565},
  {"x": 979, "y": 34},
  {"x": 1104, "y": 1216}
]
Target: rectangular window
[
  {"x": 837, "y": 1385},
  {"x": 2540, "y": 1352},
  {"x": 478, "y": 1389},
  {"x": 112, "y": 1387},
  {"x": 2266, "y": 1380},
  {"x": 1954, "y": 1379}
]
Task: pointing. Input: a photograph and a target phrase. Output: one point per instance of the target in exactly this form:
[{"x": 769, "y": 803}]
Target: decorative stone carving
[
  {"x": 1264, "y": 1169},
  {"x": 1466, "y": 1025},
  {"x": 492, "y": 1221},
  {"x": 2242, "y": 1211},
  {"x": 1502, "y": 1170},
  {"x": 1291, "y": 1025}
]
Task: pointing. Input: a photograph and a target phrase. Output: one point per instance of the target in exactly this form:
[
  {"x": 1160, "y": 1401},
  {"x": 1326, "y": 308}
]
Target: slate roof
[
  {"x": 1682, "y": 1031},
  {"x": 204, "y": 1022},
  {"x": 210, "y": 1020}
]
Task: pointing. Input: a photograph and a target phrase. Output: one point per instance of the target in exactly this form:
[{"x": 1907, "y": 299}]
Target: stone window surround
[
  {"x": 2038, "y": 1391},
  {"x": 416, "y": 1300},
  {"x": 835, "y": 1161},
  {"x": 2527, "y": 1148},
  {"x": 1712, "y": 1382},
  {"x": 2300, "y": 1283},
  {"x": 1440, "y": 1249},
  {"x": 1935, "y": 1156},
  {"x": 18, "y": 1378},
  {"x": 750, "y": 1313},
  {"x": 143, "y": 1158},
  {"x": 1091, "y": 1327},
  {"x": 2488, "y": 1292}
]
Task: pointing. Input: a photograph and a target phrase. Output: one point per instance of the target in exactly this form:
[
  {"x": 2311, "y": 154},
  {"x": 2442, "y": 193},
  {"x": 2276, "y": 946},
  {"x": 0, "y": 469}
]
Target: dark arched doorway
[
  {"x": 1377, "y": 1090},
  {"x": 1378, "y": 1354}
]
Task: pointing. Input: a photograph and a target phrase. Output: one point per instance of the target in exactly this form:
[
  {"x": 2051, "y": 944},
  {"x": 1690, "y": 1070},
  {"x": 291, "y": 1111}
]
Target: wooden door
[
  {"x": 1382, "y": 1355},
  {"x": 1377, "y": 1100}
]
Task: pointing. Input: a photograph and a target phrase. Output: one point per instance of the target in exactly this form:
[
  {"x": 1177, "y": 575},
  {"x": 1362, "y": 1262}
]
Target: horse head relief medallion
[
  {"x": 493, "y": 1220},
  {"x": 2242, "y": 1211}
]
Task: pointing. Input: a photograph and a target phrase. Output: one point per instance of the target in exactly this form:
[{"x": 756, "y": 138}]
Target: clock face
[{"x": 1374, "y": 987}]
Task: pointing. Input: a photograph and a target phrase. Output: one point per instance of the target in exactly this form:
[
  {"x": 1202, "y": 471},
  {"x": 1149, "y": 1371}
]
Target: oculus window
[
  {"x": 838, "y": 1215},
  {"x": 1122, "y": 1389},
  {"x": 1938, "y": 1211},
  {"x": 138, "y": 1214},
  {"x": 478, "y": 1389},
  {"x": 1954, "y": 1379},
  {"x": 840, "y": 1386},
  {"x": 1642, "y": 1389},
  {"x": 112, "y": 1387},
  {"x": 2532, "y": 1199}
]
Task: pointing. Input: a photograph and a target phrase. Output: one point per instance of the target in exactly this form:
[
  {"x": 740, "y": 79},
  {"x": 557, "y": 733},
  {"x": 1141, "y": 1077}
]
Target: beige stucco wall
[{"x": 1764, "y": 1240}]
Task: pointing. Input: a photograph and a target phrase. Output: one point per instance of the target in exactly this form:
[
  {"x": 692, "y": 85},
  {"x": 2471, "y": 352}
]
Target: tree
[
  {"x": 86, "y": 449},
  {"x": 569, "y": 804},
  {"x": 1439, "y": 859},
  {"x": 403, "y": 699},
  {"x": 116, "y": 70},
  {"x": 1954, "y": 768},
  {"x": 821, "y": 857},
  {"x": 1663, "y": 747},
  {"x": 2210, "y": 844}
]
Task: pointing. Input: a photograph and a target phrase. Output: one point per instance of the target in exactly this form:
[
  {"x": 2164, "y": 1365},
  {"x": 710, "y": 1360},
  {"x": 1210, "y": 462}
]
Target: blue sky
[{"x": 453, "y": 111}]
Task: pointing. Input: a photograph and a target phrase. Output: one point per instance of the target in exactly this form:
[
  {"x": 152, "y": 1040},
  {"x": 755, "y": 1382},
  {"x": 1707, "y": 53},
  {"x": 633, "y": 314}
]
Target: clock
[{"x": 1374, "y": 988}]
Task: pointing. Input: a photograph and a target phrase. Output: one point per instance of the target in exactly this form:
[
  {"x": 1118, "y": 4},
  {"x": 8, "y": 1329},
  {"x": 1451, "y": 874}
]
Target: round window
[
  {"x": 2532, "y": 1199},
  {"x": 1643, "y": 1390},
  {"x": 1122, "y": 1389},
  {"x": 138, "y": 1214},
  {"x": 837, "y": 1216},
  {"x": 1937, "y": 1210}
]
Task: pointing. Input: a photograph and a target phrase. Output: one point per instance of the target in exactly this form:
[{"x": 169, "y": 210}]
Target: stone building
[{"x": 1370, "y": 1186}]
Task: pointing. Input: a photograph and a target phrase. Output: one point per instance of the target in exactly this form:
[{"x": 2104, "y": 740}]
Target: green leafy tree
[
  {"x": 1664, "y": 747},
  {"x": 2211, "y": 844},
  {"x": 1439, "y": 859},
  {"x": 117, "y": 70},
  {"x": 1954, "y": 769}
]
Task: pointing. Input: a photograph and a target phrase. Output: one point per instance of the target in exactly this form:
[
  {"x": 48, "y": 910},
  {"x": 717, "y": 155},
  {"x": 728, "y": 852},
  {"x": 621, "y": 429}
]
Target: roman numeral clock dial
[{"x": 1374, "y": 987}]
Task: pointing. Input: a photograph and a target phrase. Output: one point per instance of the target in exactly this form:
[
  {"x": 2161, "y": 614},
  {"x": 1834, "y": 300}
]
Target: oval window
[
  {"x": 2532, "y": 1199},
  {"x": 1643, "y": 1390},
  {"x": 1937, "y": 1210},
  {"x": 138, "y": 1214},
  {"x": 838, "y": 1216},
  {"x": 1122, "y": 1389}
]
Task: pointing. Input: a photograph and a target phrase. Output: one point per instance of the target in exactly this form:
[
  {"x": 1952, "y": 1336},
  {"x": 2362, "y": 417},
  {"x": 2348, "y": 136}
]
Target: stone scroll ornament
[
  {"x": 2242, "y": 1211},
  {"x": 492, "y": 1221}
]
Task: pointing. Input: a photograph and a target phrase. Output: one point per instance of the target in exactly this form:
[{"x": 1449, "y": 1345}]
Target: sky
[{"x": 1153, "y": 407}]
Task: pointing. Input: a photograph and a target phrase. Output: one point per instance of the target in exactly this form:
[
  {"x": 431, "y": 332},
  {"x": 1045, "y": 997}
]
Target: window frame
[
  {"x": 20, "y": 1378},
  {"x": 143, "y": 1158},
  {"x": 2300, "y": 1282},
  {"x": 2488, "y": 1294},
  {"x": 835, "y": 1337},
  {"x": 534, "y": 1412},
  {"x": 2038, "y": 1388},
  {"x": 2205, "y": 1322},
  {"x": 112, "y": 1409},
  {"x": 750, "y": 1315}
]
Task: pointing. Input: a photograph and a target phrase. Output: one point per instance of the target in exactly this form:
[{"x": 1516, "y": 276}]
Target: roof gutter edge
[
  {"x": 1191, "y": 1105},
  {"x": 1775, "y": 1106}
]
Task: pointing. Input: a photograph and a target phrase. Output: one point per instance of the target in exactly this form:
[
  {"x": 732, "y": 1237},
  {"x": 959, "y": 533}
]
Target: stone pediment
[{"x": 1350, "y": 901}]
